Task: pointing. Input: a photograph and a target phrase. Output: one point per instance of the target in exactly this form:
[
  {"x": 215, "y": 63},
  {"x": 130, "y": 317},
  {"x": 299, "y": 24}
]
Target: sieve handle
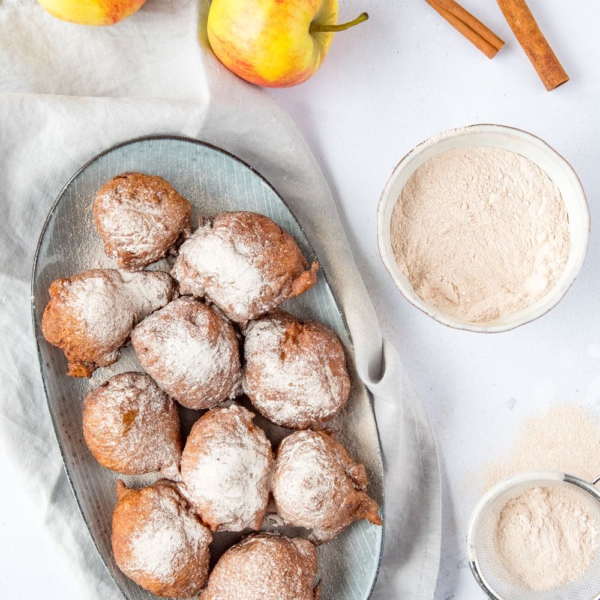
[{"x": 596, "y": 481}]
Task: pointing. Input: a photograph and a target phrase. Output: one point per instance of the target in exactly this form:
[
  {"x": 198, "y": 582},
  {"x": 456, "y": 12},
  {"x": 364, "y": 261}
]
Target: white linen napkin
[{"x": 69, "y": 92}]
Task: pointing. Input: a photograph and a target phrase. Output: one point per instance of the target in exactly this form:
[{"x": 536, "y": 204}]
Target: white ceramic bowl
[{"x": 515, "y": 140}]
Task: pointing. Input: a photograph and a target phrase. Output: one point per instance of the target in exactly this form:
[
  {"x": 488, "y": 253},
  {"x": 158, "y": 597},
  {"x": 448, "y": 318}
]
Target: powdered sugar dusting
[
  {"x": 191, "y": 352},
  {"x": 244, "y": 263},
  {"x": 225, "y": 468},
  {"x": 226, "y": 266},
  {"x": 109, "y": 306},
  {"x": 302, "y": 459},
  {"x": 148, "y": 291},
  {"x": 265, "y": 566},
  {"x": 132, "y": 426},
  {"x": 222, "y": 263},
  {"x": 105, "y": 311},
  {"x": 316, "y": 485},
  {"x": 90, "y": 316},
  {"x": 140, "y": 217},
  {"x": 135, "y": 231},
  {"x": 168, "y": 540},
  {"x": 295, "y": 374}
]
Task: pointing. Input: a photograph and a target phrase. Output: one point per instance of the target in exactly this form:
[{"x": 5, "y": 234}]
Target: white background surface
[{"x": 387, "y": 85}]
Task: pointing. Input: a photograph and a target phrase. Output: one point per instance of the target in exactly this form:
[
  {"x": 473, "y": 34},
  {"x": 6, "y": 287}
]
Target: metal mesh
[{"x": 487, "y": 564}]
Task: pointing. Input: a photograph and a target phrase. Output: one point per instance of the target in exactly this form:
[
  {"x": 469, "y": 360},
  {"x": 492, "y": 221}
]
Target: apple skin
[
  {"x": 268, "y": 42},
  {"x": 92, "y": 12}
]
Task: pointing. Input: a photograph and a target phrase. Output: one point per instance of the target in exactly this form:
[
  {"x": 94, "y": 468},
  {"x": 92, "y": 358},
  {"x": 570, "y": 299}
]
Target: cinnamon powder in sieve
[{"x": 547, "y": 537}]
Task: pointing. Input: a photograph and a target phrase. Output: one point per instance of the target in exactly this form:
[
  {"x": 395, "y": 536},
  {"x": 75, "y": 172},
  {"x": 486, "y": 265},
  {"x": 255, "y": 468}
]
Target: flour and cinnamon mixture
[
  {"x": 481, "y": 233},
  {"x": 170, "y": 537},
  {"x": 547, "y": 537}
]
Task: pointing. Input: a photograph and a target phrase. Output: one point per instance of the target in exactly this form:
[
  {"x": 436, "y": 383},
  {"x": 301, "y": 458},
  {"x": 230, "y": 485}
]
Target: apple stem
[{"x": 317, "y": 27}]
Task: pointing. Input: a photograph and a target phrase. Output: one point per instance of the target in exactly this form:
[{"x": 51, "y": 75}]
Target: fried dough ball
[
  {"x": 140, "y": 218},
  {"x": 244, "y": 263},
  {"x": 158, "y": 542},
  {"x": 265, "y": 566},
  {"x": 191, "y": 351},
  {"x": 296, "y": 373},
  {"x": 316, "y": 485},
  {"x": 131, "y": 426},
  {"x": 90, "y": 316},
  {"x": 225, "y": 467}
]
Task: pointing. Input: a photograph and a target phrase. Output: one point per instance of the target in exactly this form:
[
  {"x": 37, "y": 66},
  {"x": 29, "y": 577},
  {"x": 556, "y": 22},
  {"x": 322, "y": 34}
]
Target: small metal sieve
[{"x": 487, "y": 565}]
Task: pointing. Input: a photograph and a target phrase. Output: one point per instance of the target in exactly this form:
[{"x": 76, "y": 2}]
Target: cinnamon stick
[
  {"x": 531, "y": 38},
  {"x": 464, "y": 22}
]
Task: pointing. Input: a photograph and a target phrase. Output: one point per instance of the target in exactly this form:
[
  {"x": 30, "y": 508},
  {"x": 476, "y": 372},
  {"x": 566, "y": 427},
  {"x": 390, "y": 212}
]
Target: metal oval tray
[{"x": 213, "y": 181}]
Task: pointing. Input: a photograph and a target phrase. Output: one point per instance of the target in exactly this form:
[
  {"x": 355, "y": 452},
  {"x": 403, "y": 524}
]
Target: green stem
[{"x": 317, "y": 27}]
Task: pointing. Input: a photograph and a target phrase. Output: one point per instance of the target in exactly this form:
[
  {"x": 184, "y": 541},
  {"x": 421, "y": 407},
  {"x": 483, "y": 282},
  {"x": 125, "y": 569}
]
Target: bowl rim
[{"x": 383, "y": 224}]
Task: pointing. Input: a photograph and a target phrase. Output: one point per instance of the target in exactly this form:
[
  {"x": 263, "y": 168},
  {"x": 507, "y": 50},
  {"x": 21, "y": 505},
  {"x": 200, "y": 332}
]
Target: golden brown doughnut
[
  {"x": 131, "y": 426},
  {"x": 225, "y": 467},
  {"x": 244, "y": 263},
  {"x": 140, "y": 218},
  {"x": 158, "y": 542},
  {"x": 295, "y": 373},
  {"x": 316, "y": 485},
  {"x": 191, "y": 351},
  {"x": 265, "y": 566},
  {"x": 90, "y": 316}
]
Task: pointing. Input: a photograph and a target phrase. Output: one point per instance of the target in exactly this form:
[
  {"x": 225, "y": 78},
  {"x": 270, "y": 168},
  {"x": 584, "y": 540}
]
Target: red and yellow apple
[
  {"x": 92, "y": 12},
  {"x": 274, "y": 43}
]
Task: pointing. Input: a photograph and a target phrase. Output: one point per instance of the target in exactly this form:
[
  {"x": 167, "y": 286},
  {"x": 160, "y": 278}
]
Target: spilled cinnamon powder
[{"x": 566, "y": 438}]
